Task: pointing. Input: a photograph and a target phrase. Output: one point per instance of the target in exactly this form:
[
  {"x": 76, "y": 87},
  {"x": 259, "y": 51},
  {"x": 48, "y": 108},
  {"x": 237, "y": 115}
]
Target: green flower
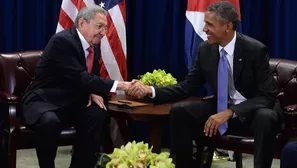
[
  {"x": 135, "y": 155},
  {"x": 157, "y": 78}
]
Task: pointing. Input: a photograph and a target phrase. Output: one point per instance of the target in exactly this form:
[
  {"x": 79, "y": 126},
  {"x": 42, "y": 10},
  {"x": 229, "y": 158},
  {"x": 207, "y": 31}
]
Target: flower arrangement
[
  {"x": 157, "y": 78},
  {"x": 135, "y": 155}
]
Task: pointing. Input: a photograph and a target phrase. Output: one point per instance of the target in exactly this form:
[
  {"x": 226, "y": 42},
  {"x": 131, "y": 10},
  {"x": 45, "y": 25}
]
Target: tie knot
[
  {"x": 91, "y": 49},
  {"x": 223, "y": 52}
]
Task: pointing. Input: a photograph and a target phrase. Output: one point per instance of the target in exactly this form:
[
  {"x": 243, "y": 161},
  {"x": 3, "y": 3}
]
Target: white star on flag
[{"x": 102, "y": 4}]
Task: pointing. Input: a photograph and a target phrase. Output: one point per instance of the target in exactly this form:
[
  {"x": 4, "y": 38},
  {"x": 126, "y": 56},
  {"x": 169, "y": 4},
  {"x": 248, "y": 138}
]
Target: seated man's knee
[
  {"x": 178, "y": 109},
  {"x": 48, "y": 123},
  {"x": 266, "y": 115},
  {"x": 98, "y": 114}
]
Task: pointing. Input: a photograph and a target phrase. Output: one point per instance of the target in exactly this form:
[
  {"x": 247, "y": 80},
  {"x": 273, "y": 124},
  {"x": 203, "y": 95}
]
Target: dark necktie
[{"x": 90, "y": 58}]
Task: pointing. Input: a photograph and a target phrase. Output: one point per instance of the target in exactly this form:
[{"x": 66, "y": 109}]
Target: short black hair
[{"x": 225, "y": 11}]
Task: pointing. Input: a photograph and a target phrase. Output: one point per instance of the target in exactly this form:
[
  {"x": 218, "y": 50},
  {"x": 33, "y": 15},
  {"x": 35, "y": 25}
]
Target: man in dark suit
[
  {"x": 236, "y": 67},
  {"x": 67, "y": 91}
]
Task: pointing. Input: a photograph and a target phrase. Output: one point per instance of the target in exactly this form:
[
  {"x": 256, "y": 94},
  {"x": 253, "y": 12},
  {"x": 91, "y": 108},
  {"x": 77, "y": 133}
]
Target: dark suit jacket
[
  {"x": 251, "y": 73},
  {"x": 62, "y": 79}
]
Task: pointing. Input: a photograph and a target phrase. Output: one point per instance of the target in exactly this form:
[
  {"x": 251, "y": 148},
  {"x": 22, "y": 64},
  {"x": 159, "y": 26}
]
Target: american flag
[{"x": 113, "y": 45}]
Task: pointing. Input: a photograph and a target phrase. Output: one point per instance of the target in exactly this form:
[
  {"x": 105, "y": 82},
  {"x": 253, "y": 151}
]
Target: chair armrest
[
  {"x": 290, "y": 116},
  {"x": 9, "y": 105},
  {"x": 8, "y": 98},
  {"x": 291, "y": 109}
]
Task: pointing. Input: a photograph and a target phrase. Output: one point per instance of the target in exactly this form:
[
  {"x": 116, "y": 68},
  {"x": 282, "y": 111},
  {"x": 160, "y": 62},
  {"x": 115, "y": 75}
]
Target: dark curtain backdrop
[{"x": 155, "y": 30}]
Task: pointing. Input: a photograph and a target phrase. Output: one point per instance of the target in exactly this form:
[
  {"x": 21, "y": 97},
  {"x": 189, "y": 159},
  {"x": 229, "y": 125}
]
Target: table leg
[
  {"x": 123, "y": 129},
  {"x": 156, "y": 130}
]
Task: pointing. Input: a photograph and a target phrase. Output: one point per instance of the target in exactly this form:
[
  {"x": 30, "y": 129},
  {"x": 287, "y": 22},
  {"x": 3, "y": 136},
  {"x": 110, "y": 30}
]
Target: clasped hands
[{"x": 136, "y": 89}]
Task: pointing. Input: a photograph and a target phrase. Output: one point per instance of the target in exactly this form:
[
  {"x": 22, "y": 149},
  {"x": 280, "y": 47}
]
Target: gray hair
[
  {"x": 88, "y": 13},
  {"x": 225, "y": 11}
]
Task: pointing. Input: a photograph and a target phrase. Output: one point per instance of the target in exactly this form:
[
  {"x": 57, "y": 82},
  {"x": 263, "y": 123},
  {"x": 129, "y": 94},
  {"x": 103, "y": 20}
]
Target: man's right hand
[
  {"x": 138, "y": 89},
  {"x": 97, "y": 99}
]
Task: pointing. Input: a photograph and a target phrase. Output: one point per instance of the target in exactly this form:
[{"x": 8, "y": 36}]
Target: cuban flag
[{"x": 194, "y": 24}]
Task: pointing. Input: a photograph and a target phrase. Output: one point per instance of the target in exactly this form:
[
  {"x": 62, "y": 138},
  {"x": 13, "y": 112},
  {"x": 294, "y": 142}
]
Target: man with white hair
[{"x": 67, "y": 91}]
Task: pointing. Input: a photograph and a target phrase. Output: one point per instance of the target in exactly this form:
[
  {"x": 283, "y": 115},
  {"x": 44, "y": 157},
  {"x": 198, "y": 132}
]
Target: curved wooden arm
[
  {"x": 290, "y": 114},
  {"x": 9, "y": 105},
  {"x": 8, "y": 98}
]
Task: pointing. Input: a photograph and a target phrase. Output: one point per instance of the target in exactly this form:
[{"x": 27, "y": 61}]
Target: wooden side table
[{"x": 157, "y": 116}]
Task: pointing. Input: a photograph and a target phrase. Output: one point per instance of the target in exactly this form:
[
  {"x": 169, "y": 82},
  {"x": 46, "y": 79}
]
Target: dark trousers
[
  {"x": 89, "y": 123},
  {"x": 187, "y": 121},
  {"x": 289, "y": 155}
]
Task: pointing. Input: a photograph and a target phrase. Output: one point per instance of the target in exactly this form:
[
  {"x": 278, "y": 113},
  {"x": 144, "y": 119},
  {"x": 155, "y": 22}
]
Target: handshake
[{"x": 135, "y": 88}]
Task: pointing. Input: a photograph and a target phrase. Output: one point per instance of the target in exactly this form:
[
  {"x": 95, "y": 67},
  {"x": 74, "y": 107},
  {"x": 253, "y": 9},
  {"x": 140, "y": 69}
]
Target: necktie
[
  {"x": 90, "y": 58},
  {"x": 223, "y": 88}
]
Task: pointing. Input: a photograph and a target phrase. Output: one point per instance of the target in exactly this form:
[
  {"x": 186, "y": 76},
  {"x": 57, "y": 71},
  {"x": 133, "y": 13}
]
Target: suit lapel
[
  {"x": 238, "y": 58},
  {"x": 79, "y": 48}
]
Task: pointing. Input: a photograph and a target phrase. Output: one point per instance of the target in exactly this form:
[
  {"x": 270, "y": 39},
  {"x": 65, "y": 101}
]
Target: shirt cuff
[
  {"x": 114, "y": 86},
  {"x": 153, "y": 93}
]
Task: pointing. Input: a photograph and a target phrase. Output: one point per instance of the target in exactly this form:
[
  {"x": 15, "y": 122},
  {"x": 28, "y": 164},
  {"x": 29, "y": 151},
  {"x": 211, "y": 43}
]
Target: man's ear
[
  {"x": 229, "y": 27},
  {"x": 81, "y": 21}
]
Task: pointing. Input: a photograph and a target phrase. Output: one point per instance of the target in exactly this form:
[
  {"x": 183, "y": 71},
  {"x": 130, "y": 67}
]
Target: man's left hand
[
  {"x": 97, "y": 99},
  {"x": 213, "y": 123}
]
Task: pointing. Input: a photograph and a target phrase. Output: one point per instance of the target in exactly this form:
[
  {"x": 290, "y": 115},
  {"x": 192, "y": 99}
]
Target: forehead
[
  {"x": 100, "y": 18},
  {"x": 209, "y": 15}
]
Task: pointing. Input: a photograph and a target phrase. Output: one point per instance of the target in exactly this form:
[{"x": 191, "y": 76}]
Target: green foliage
[
  {"x": 157, "y": 78},
  {"x": 135, "y": 155}
]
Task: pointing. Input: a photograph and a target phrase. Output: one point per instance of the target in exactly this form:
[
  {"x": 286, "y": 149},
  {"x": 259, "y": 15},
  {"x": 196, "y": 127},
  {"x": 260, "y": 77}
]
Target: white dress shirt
[
  {"x": 234, "y": 95},
  {"x": 85, "y": 46}
]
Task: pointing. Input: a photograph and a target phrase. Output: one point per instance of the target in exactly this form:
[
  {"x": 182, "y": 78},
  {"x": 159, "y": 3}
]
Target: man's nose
[{"x": 205, "y": 28}]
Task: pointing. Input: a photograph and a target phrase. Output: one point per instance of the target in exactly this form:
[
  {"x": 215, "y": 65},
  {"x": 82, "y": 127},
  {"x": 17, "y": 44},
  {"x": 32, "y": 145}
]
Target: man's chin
[
  {"x": 95, "y": 42},
  {"x": 210, "y": 42}
]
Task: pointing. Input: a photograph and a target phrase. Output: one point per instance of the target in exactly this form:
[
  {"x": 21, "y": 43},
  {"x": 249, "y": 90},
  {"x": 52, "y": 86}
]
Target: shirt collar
[
  {"x": 83, "y": 41},
  {"x": 229, "y": 48}
]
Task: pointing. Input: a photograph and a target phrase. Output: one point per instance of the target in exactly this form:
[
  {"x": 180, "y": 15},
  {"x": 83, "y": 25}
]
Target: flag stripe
[
  {"x": 201, "y": 5},
  {"x": 59, "y": 28},
  {"x": 118, "y": 23},
  {"x": 64, "y": 20},
  {"x": 89, "y": 2},
  {"x": 122, "y": 6},
  {"x": 103, "y": 70},
  {"x": 196, "y": 19},
  {"x": 109, "y": 60},
  {"x": 79, "y": 4},
  {"x": 70, "y": 9},
  {"x": 116, "y": 46},
  {"x": 196, "y": 5}
]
